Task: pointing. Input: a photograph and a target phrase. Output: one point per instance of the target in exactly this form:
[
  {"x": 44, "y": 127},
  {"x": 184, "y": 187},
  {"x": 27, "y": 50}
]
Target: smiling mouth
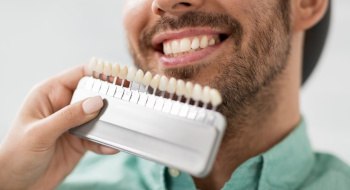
[
  {"x": 187, "y": 46},
  {"x": 178, "y": 47}
]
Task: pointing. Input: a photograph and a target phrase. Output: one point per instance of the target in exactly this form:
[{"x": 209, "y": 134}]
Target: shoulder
[{"x": 328, "y": 172}]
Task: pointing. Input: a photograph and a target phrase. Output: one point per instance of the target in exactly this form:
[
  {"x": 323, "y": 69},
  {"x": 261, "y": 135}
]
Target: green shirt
[{"x": 291, "y": 164}]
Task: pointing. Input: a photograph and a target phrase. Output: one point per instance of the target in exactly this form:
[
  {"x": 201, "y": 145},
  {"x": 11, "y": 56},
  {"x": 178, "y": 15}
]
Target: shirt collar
[{"x": 284, "y": 166}]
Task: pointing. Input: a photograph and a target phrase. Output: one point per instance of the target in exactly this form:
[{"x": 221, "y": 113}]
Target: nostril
[
  {"x": 185, "y": 4},
  {"x": 182, "y": 5},
  {"x": 160, "y": 7}
]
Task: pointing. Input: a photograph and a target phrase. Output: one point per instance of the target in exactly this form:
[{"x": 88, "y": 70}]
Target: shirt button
[{"x": 173, "y": 172}]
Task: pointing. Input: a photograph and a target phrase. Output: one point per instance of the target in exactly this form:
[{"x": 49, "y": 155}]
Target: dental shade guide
[{"x": 156, "y": 126}]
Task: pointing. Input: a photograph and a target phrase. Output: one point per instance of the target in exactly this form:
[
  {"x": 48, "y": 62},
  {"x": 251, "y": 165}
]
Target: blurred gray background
[{"x": 40, "y": 38}]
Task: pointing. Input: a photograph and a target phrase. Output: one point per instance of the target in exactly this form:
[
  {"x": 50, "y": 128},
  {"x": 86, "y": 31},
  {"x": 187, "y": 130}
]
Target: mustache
[{"x": 193, "y": 19}]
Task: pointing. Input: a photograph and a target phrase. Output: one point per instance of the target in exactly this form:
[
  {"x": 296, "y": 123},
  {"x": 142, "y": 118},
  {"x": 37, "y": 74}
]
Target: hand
[{"x": 38, "y": 152}]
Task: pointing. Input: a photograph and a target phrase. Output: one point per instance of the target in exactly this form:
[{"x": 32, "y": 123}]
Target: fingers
[
  {"x": 99, "y": 149},
  {"x": 68, "y": 79},
  {"x": 53, "y": 94},
  {"x": 70, "y": 116},
  {"x": 71, "y": 77}
]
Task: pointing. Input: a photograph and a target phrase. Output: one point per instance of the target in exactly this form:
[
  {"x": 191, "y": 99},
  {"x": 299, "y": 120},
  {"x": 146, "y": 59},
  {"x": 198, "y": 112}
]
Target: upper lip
[{"x": 159, "y": 38}]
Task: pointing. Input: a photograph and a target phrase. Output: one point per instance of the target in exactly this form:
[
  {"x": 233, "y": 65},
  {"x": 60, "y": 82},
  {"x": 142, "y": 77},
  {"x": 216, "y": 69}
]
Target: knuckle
[{"x": 39, "y": 86}]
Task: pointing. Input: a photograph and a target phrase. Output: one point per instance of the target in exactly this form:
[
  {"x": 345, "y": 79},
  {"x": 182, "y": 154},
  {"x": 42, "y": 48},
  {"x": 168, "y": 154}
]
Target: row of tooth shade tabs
[{"x": 172, "y": 86}]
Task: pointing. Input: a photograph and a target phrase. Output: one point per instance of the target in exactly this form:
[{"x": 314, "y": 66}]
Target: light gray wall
[
  {"x": 40, "y": 38},
  {"x": 326, "y": 97}
]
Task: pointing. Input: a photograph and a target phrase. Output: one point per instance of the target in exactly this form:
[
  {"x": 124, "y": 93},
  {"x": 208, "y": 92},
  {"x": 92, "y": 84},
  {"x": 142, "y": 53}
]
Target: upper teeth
[
  {"x": 189, "y": 90},
  {"x": 173, "y": 47}
]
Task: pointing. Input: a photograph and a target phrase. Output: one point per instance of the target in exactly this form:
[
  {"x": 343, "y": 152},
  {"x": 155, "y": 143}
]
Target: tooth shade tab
[
  {"x": 188, "y": 89},
  {"x": 115, "y": 70},
  {"x": 155, "y": 81},
  {"x": 163, "y": 83},
  {"x": 201, "y": 96},
  {"x": 171, "y": 85},
  {"x": 206, "y": 95},
  {"x": 92, "y": 65},
  {"x": 107, "y": 70},
  {"x": 197, "y": 92},
  {"x": 215, "y": 97},
  {"x": 180, "y": 87},
  {"x": 99, "y": 67},
  {"x": 131, "y": 74},
  {"x": 147, "y": 78},
  {"x": 93, "y": 60},
  {"x": 123, "y": 72},
  {"x": 139, "y": 76}
]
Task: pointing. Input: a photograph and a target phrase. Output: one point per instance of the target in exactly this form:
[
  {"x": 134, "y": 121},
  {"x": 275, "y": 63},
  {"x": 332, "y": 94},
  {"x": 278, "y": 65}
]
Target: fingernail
[
  {"x": 92, "y": 105},
  {"x": 108, "y": 150}
]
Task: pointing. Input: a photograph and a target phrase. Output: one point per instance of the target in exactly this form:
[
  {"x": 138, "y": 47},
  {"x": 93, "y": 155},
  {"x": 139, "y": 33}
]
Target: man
[{"x": 256, "y": 64}]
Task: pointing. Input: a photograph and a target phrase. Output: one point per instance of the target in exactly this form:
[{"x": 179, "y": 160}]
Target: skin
[
  {"x": 38, "y": 152},
  {"x": 257, "y": 69}
]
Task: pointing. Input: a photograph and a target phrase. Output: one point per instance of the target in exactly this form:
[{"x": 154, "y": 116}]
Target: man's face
[{"x": 236, "y": 46}]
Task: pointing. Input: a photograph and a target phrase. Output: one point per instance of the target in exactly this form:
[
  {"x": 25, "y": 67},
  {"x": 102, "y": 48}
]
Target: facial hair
[{"x": 251, "y": 66}]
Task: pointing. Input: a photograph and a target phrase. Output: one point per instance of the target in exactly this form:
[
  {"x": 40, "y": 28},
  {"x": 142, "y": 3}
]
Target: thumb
[{"x": 71, "y": 116}]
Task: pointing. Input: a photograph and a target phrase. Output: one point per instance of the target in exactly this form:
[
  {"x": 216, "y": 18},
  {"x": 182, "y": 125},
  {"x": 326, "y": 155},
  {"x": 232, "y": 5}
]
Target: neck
[{"x": 264, "y": 122}]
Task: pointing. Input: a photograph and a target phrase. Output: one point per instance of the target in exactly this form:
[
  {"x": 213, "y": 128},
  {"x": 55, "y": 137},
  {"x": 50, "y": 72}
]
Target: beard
[{"x": 248, "y": 67}]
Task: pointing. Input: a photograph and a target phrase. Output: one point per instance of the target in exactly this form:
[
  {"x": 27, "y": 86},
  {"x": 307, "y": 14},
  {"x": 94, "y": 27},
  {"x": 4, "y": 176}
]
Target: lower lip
[{"x": 188, "y": 58}]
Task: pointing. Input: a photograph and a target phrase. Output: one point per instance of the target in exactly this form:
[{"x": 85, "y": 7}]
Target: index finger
[
  {"x": 59, "y": 89},
  {"x": 51, "y": 95},
  {"x": 69, "y": 79}
]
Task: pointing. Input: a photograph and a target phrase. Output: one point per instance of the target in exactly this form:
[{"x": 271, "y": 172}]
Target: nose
[{"x": 175, "y": 7}]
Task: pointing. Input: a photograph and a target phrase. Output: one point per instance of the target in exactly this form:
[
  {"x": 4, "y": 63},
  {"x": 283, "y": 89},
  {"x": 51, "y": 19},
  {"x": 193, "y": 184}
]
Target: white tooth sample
[
  {"x": 206, "y": 95},
  {"x": 131, "y": 74},
  {"x": 163, "y": 83},
  {"x": 139, "y": 76},
  {"x": 195, "y": 43},
  {"x": 180, "y": 87},
  {"x": 99, "y": 67},
  {"x": 92, "y": 65},
  {"x": 171, "y": 85},
  {"x": 185, "y": 45},
  {"x": 123, "y": 72},
  {"x": 93, "y": 60},
  {"x": 215, "y": 97},
  {"x": 188, "y": 90},
  {"x": 107, "y": 69},
  {"x": 115, "y": 70},
  {"x": 175, "y": 46},
  {"x": 155, "y": 81},
  {"x": 147, "y": 78},
  {"x": 212, "y": 42},
  {"x": 204, "y": 42},
  {"x": 197, "y": 92}
]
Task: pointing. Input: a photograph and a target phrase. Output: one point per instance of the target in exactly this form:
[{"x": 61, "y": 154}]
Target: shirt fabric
[{"x": 290, "y": 164}]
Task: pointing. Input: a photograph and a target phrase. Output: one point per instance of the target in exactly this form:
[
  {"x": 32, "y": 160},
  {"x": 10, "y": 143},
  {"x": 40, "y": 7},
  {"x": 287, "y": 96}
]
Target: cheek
[
  {"x": 252, "y": 15},
  {"x": 244, "y": 11},
  {"x": 135, "y": 17}
]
